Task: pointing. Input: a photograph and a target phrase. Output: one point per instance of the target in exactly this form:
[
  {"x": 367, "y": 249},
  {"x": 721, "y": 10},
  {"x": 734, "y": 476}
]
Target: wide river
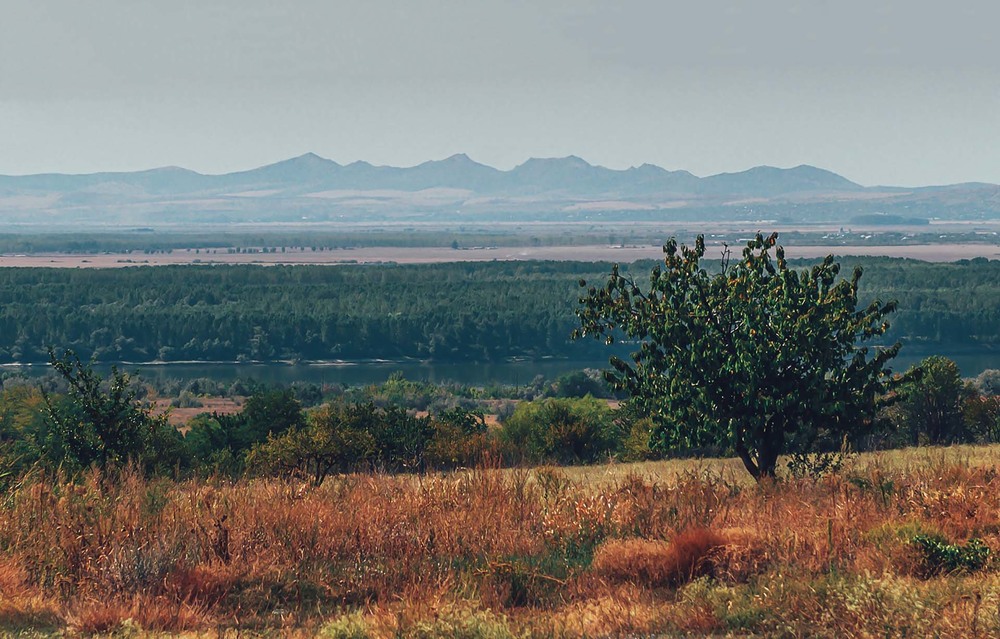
[{"x": 479, "y": 374}]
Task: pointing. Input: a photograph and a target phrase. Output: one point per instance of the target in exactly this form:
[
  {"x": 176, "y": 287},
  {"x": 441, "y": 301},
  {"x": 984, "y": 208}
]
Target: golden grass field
[{"x": 661, "y": 549}]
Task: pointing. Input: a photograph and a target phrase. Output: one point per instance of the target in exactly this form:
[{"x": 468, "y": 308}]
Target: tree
[
  {"x": 335, "y": 438},
  {"x": 758, "y": 356},
  {"x": 981, "y": 414},
  {"x": 102, "y": 422},
  {"x": 266, "y": 412}
]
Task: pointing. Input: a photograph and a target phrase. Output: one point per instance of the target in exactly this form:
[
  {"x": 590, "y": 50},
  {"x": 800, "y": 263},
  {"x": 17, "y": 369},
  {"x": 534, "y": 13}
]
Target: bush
[
  {"x": 186, "y": 400},
  {"x": 636, "y": 446},
  {"x": 351, "y": 626},
  {"x": 988, "y": 382},
  {"x": 580, "y": 384},
  {"x": 102, "y": 422},
  {"x": 336, "y": 438},
  {"x": 940, "y": 557},
  {"x": 562, "y": 430}
]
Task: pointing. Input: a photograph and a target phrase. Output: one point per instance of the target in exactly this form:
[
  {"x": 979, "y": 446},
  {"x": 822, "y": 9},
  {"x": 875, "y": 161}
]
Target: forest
[{"x": 448, "y": 312}]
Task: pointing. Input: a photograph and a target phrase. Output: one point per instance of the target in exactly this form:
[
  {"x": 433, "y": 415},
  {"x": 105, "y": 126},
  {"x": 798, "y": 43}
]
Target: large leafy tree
[{"x": 756, "y": 356}]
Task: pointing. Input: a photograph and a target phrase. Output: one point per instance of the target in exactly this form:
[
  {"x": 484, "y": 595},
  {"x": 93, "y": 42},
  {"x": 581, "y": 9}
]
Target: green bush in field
[
  {"x": 941, "y": 557},
  {"x": 563, "y": 430},
  {"x": 350, "y": 626}
]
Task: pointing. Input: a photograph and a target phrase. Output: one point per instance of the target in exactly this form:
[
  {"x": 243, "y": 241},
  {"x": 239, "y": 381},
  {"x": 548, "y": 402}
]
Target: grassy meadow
[{"x": 895, "y": 544}]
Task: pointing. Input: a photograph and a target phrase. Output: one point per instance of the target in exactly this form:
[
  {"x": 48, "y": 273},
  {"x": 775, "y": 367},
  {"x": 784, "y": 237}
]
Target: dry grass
[{"x": 487, "y": 553}]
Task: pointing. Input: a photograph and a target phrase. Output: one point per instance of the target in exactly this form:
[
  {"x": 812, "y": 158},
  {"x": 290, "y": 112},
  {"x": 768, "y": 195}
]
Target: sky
[{"x": 882, "y": 92}]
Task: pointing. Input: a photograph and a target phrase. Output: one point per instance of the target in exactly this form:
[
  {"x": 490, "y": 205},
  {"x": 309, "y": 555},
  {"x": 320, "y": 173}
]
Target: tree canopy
[{"x": 757, "y": 356}]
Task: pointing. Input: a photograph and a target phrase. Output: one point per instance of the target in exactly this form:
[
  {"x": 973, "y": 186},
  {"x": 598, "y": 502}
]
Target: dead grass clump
[
  {"x": 203, "y": 585},
  {"x": 100, "y": 617},
  {"x": 743, "y": 556},
  {"x": 657, "y": 563},
  {"x": 158, "y": 614},
  {"x": 22, "y": 605},
  {"x": 13, "y": 579}
]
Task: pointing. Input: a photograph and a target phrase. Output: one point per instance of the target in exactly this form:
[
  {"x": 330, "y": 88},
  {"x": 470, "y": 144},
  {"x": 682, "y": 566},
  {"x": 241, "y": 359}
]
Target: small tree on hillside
[
  {"x": 931, "y": 407},
  {"x": 758, "y": 357},
  {"x": 102, "y": 422}
]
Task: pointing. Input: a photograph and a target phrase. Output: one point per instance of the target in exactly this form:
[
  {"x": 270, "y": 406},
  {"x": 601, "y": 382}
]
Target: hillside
[{"x": 457, "y": 190}]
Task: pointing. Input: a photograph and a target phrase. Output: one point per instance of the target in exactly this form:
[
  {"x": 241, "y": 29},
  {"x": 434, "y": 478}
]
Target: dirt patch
[{"x": 179, "y": 417}]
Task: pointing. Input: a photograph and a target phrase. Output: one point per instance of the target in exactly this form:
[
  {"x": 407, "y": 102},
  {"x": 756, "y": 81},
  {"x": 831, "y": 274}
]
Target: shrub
[
  {"x": 102, "y": 422},
  {"x": 474, "y": 625},
  {"x": 931, "y": 409},
  {"x": 350, "y": 626},
  {"x": 562, "y": 430},
  {"x": 636, "y": 446},
  {"x": 186, "y": 400},
  {"x": 940, "y": 557},
  {"x": 982, "y": 417}
]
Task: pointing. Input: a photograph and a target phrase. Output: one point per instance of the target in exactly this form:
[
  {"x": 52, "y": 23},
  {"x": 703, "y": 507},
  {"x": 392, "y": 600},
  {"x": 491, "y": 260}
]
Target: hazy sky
[{"x": 903, "y": 92}]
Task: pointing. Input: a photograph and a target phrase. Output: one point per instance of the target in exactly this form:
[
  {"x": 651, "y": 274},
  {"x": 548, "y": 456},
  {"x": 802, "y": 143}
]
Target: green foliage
[
  {"x": 758, "y": 355},
  {"x": 467, "y": 422},
  {"x": 268, "y": 412},
  {"x": 988, "y": 382},
  {"x": 343, "y": 436},
  {"x": 981, "y": 415},
  {"x": 636, "y": 445},
  {"x": 350, "y": 626},
  {"x": 208, "y": 443},
  {"x": 400, "y": 438},
  {"x": 23, "y": 430},
  {"x": 569, "y": 431},
  {"x": 940, "y": 557},
  {"x": 461, "y": 311},
  {"x": 336, "y": 437},
  {"x": 932, "y": 406},
  {"x": 100, "y": 422},
  {"x": 580, "y": 384},
  {"x": 220, "y": 442}
]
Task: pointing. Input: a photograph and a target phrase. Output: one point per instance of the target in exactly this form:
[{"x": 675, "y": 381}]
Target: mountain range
[{"x": 310, "y": 188}]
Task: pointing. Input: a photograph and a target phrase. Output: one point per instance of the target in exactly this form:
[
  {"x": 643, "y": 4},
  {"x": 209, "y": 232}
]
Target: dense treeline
[{"x": 459, "y": 311}]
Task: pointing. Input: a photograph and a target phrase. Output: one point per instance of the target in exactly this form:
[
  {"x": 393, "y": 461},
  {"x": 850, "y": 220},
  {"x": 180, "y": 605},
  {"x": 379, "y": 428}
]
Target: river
[{"x": 520, "y": 372}]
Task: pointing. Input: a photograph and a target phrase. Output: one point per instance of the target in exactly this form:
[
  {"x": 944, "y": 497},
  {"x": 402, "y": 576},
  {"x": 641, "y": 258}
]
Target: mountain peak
[
  {"x": 310, "y": 159},
  {"x": 770, "y": 181},
  {"x": 568, "y": 162},
  {"x": 307, "y": 161}
]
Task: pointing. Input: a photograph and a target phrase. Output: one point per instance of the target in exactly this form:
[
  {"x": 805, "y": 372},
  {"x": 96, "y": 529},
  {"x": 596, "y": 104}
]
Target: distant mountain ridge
[{"x": 312, "y": 188}]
